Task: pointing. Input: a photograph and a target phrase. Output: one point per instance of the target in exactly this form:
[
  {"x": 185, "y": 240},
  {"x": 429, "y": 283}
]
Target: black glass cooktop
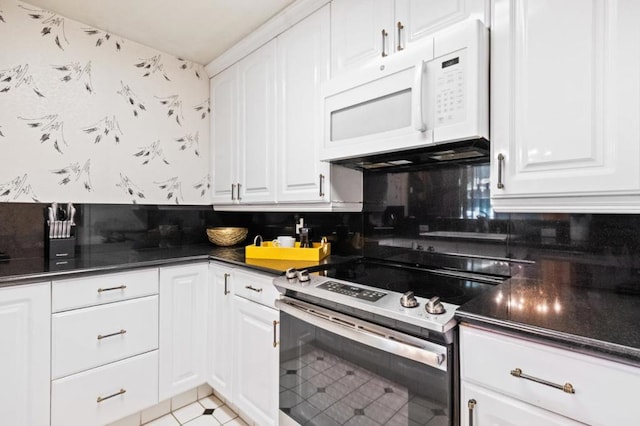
[{"x": 424, "y": 282}]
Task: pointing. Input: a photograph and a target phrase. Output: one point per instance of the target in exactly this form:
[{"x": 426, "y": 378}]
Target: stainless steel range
[{"x": 371, "y": 342}]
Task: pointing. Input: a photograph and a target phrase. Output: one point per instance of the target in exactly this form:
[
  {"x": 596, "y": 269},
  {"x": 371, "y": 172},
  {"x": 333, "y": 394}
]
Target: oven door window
[{"x": 327, "y": 379}]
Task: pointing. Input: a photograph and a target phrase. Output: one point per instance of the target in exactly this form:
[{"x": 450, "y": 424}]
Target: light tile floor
[{"x": 208, "y": 411}]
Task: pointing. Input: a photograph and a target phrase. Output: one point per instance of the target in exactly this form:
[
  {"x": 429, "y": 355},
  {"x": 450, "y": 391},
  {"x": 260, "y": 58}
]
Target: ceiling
[{"x": 197, "y": 30}]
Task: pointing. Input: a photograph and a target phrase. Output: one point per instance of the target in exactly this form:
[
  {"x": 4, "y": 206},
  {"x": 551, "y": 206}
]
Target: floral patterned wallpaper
[{"x": 89, "y": 117}]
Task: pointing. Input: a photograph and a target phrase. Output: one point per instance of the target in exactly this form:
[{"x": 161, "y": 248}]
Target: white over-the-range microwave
[{"x": 435, "y": 92}]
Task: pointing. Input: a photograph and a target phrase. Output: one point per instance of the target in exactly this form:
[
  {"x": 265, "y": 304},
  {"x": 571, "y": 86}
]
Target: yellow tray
[{"x": 267, "y": 250}]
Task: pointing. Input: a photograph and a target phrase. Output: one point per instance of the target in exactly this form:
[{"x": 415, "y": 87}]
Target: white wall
[{"x": 90, "y": 117}]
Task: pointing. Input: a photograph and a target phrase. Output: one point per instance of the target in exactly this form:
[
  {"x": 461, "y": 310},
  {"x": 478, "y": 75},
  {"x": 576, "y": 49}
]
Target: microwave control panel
[{"x": 450, "y": 90}]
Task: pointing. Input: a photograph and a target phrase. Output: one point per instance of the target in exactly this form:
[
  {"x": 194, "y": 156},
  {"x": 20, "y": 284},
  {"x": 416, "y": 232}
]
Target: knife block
[{"x": 60, "y": 248}]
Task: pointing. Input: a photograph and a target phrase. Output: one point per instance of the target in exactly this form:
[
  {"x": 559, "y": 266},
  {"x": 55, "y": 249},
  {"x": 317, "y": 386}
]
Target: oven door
[{"x": 336, "y": 369}]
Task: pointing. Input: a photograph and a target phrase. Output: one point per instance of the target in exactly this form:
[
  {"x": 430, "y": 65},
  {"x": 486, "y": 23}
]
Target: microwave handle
[{"x": 417, "y": 101}]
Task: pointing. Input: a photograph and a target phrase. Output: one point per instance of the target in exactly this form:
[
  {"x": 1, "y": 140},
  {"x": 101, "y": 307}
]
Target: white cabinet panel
[
  {"x": 563, "y": 105},
  {"x": 90, "y": 337},
  {"x": 25, "y": 319},
  {"x": 182, "y": 337},
  {"x": 220, "y": 335},
  {"x": 257, "y": 369}
]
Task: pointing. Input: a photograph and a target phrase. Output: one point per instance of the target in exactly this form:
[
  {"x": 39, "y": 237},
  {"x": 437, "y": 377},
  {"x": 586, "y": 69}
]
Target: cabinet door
[
  {"x": 257, "y": 152},
  {"x": 357, "y": 32},
  {"x": 481, "y": 407},
  {"x": 25, "y": 320},
  {"x": 564, "y": 105},
  {"x": 219, "y": 336},
  {"x": 257, "y": 369},
  {"x": 416, "y": 19},
  {"x": 303, "y": 65},
  {"x": 182, "y": 328},
  {"x": 224, "y": 135}
]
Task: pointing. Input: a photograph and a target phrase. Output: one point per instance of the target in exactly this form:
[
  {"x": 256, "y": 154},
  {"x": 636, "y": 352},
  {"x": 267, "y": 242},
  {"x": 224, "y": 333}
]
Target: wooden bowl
[{"x": 227, "y": 235}]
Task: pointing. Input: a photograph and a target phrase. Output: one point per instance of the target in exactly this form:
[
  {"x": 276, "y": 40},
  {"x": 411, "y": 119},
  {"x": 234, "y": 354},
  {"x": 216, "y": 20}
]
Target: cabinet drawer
[
  {"x": 90, "y": 337},
  {"x": 604, "y": 390},
  {"x": 258, "y": 288},
  {"x": 96, "y": 290},
  {"x": 105, "y": 394}
]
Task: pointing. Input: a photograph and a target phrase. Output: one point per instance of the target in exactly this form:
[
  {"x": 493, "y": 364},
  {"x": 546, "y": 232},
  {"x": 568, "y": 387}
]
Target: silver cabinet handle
[
  {"x": 321, "y": 185},
  {"x": 384, "y": 42},
  {"x": 257, "y": 290},
  {"x": 275, "y": 324},
  {"x": 500, "y": 166},
  {"x": 117, "y": 333},
  {"x": 400, "y": 28},
  {"x": 103, "y": 398},
  {"x": 233, "y": 191},
  {"x": 567, "y": 387},
  {"x": 120, "y": 287},
  {"x": 238, "y": 197},
  {"x": 226, "y": 277},
  {"x": 471, "y": 404}
]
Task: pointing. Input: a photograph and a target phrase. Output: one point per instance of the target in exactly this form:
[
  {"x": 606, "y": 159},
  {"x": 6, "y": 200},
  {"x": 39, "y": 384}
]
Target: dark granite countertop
[{"x": 592, "y": 308}]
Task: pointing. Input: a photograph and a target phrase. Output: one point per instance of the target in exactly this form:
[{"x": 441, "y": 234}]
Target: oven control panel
[{"x": 352, "y": 290}]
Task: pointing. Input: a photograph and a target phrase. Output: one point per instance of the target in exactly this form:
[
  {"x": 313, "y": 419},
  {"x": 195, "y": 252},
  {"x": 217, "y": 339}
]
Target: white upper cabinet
[
  {"x": 303, "y": 63},
  {"x": 363, "y": 31},
  {"x": 565, "y": 102},
  {"x": 243, "y": 130}
]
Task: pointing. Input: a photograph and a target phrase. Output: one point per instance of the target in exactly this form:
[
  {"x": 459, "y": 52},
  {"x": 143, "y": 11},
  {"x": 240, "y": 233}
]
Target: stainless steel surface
[
  {"x": 104, "y": 398},
  {"x": 120, "y": 287},
  {"x": 471, "y": 404},
  {"x": 226, "y": 283},
  {"x": 500, "y": 185},
  {"x": 384, "y": 42},
  {"x": 434, "y": 306},
  {"x": 117, "y": 333},
  {"x": 372, "y": 335},
  {"x": 291, "y": 273},
  {"x": 303, "y": 276},
  {"x": 408, "y": 300},
  {"x": 567, "y": 387}
]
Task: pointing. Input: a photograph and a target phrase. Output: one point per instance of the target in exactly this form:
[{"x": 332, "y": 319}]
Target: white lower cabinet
[
  {"x": 518, "y": 381},
  {"x": 25, "y": 318},
  {"x": 243, "y": 335},
  {"x": 183, "y": 305},
  {"x": 105, "y": 394}
]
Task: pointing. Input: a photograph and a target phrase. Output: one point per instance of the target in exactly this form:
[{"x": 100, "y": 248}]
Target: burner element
[
  {"x": 408, "y": 300},
  {"x": 434, "y": 306}
]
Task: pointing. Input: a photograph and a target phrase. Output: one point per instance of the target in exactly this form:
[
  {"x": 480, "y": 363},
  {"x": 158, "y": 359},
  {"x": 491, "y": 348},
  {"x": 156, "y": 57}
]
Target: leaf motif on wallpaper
[
  {"x": 150, "y": 152},
  {"x": 190, "y": 141},
  {"x": 15, "y": 188},
  {"x": 104, "y": 38},
  {"x": 74, "y": 173},
  {"x": 151, "y": 66},
  {"x": 172, "y": 189},
  {"x": 203, "y": 185},
  {"x": 74, "y": 71},
  {"x": 173, "y": 104},
  {"x": 203, "y": 108},
  {"x": 2, "y": 17},
  {"x": 51, "y": 130},
  {"x": 130, "y": 188},
  {"x": 52, "y": 24},
  {"x": 132, "y": 100},
  {"x": 17, "y": 77},
  {"x": 188, "y": 65},
  {"x": 103, "y": 129},
  {"x": 1, "y": 134}
]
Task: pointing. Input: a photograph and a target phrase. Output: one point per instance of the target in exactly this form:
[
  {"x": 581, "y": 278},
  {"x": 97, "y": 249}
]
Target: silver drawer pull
[
  {"x": 117, "y": 333},
  {"x": 275, "y": 331},
  {"x": 258, "y": 290},
  {"x": 567, "y": 387},
  {"x": 120, "y": 287},
  {"x": 104, "y": 398}
]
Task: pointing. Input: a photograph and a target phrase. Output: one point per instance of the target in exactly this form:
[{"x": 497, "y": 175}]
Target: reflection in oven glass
[{"x": 328, "y": 380}]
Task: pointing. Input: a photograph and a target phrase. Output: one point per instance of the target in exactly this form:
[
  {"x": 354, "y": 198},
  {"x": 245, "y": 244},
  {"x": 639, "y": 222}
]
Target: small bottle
[{"x": 304, "y": 238}]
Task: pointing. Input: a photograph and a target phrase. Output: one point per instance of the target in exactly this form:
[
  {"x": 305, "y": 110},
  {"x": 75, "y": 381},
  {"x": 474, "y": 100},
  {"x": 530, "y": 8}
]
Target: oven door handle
[{"x": 381, "y": 338}]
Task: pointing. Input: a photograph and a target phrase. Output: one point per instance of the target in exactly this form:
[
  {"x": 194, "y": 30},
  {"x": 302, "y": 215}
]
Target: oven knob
[
  {"x": 434, "y": 306},
  {"x": 408, "y": 300},
  {"x": 303, "y": 276},
  {"x": 291, "y": 273}
]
